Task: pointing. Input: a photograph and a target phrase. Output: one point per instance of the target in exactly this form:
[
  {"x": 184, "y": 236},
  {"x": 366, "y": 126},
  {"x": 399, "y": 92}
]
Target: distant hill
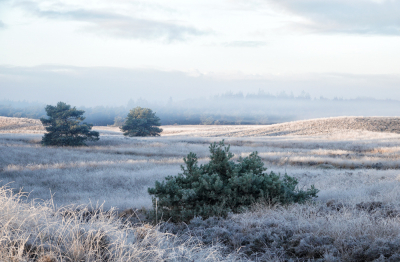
[
  {"x": 20, "y": 125},
  {"x": 321, "y": 126},
  {"x": 331, "y": 125}
]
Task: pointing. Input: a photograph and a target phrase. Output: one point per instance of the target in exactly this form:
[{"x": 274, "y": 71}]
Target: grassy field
[{"x": 353, "y": 162}]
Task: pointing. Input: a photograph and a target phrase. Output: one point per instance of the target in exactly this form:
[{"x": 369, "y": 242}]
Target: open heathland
[{"x": 353, "y": 161}]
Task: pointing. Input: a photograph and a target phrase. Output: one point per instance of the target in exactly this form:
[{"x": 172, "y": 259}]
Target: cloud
[
  {"x": 118, "y": 25},
  {"x": 345, "y": 16},
  {"x": 245, "y": 44},
  {"x": 2, "y": 25}
]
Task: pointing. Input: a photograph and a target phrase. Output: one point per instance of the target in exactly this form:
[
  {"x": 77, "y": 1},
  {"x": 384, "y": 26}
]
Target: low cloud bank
[
  {"x": 228, "y": 108},
  {"x": 106, "y": 86}
]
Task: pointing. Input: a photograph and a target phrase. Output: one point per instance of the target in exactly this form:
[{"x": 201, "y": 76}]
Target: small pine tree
[
  {"x": 222, "y": 186},
  {"x": 64, "y": 126},
  {"x": 141, "y": 122}
]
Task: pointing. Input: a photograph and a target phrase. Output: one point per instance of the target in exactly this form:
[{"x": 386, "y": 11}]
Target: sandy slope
[
  {"x": 330, "y": 125},
  {"x": 20, "y": 125},
  {"x": 311, "y": 127},
  {"x": 320, "y": 126}
]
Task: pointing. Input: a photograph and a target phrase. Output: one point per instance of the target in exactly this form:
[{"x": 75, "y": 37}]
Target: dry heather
[
  {"x": 37, "y": 232},
  {"x": 117, "y": 170},
  {"x": 322, "y": 126},
  {"x": 20, "y": 125},
  {"x": 335, "y": 231},
  {"x": 334, "y": 125},
  {"x": 356, "y": 167}
]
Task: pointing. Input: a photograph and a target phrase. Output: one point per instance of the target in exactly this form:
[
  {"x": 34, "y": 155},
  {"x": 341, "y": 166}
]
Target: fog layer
[
  {"x": 99, "y": 86},
  {"x": 228, "y": 108}
]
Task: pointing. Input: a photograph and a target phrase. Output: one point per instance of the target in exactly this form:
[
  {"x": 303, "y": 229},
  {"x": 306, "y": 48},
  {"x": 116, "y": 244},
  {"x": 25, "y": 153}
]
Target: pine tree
[
  {"x": 141, "y": 122},
  {"x": 64, "y": 126},
  {"x": 222, "y": 186}
]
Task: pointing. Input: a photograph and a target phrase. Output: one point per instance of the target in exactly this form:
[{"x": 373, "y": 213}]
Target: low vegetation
[
  {"x": 20, "y": 125},
  {"x": 36, "y": 232},
  {"x": 223, "y": 186},
  {"x": 329, "y": 232},
  {"x": 356, "y": 216}
]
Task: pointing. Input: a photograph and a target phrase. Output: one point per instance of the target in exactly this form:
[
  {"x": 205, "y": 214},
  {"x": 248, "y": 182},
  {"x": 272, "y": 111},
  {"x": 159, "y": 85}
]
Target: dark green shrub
[
  {"x": 64, "y": 127},
  {"x": 141, "y": 122},
  {"x": 222, "y": 186}
]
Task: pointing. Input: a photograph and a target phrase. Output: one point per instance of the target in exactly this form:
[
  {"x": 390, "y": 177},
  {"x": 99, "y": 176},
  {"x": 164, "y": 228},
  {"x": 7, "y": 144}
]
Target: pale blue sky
[{"x": 330, "y": 47}]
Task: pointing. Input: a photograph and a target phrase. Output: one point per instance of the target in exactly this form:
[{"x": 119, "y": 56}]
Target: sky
[{"x": 107, "y": 52}]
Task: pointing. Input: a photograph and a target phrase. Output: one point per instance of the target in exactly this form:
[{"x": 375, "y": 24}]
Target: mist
[
  {"x": 228, "y": 108},
  {"x": 105, "y": 86}
]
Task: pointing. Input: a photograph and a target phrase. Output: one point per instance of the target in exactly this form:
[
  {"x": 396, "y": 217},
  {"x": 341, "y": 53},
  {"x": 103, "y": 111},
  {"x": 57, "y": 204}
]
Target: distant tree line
[
  {"x": 225, "y": 109},
  {"x": 7, "y": 108}
]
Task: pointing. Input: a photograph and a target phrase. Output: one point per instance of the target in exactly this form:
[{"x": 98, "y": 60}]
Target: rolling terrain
[
  {"x": 322, "y": 126},
  {"x": 353, "y": 161}
]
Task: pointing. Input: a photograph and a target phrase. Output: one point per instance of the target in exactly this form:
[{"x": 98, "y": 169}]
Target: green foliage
[
  {"x": 141, "y": 122},
  {"x": 64, "y": 127},
  {"x": 222, "y": 186}
]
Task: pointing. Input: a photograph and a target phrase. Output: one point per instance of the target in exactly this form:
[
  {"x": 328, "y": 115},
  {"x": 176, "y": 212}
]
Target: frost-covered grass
[
  {"x": 367, "y": 231},
  {"x": 118, "y": 170},
  {"x": 20, "y": 125},
  {"x": 356, "y": 171},
  {"x": 39, "y": 232}
]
